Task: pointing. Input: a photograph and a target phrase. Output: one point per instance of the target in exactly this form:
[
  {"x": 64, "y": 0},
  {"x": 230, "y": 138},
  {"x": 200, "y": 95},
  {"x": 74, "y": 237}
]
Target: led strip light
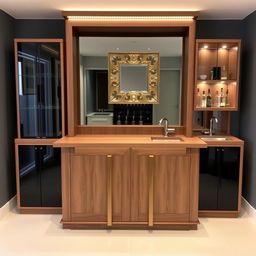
[{"x": 135, "y": 18}]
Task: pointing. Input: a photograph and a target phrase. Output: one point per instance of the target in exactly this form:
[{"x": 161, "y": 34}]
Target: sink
[
  {"x": 167, "y": 139},
  {"x": 214, "y": 138}
]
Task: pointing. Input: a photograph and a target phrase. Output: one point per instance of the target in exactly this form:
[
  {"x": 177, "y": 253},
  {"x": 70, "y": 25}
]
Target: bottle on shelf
[
  {"x": 118, "y": 119},
  {"x": 227, "y": 98},
  {"x": 222, "y": 98},
  {"x": 141, "y": 120},
  {"x": 209, "y": 99},
  {"x": 217, "y": 100},
  {"x": 224, "y": 73},
  {"x": 203, "y": 100},
  {"x": 198, "y": 98}
]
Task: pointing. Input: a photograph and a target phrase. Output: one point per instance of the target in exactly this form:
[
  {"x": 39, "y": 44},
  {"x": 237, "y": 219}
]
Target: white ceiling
[
  {"x": 101, "y": 46},
  {"x": 50, "y": 9}
]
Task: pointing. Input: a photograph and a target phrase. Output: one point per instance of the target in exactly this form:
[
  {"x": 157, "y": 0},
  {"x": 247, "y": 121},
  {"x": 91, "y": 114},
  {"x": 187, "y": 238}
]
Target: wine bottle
[
  {"x": 198, "y": 98},
  {"x": 224, "y": 73},
  {"x": 203, "y": 102},
  {"x": 222, "y": 98},
  {"x": 227, "y": 98},
  {"x": 217, "y": 100},
  {"x": 209, "y": 99}
]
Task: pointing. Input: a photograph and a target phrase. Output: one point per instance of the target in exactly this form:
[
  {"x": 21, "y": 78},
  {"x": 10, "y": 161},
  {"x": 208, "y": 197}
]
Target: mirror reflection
[
  {"x": 133, "y": 78},
  {"x": 94, "y": 107}
]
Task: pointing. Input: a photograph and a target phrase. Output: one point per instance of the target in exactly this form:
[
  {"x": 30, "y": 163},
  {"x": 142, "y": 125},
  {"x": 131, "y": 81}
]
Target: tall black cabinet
[
  {"x": 40, "y": 122},
  {"x": 219, "y": 178}
]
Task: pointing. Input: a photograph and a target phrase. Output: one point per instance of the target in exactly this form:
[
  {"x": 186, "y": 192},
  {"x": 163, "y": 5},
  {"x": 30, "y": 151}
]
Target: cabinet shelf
[
  {"x": 216, "y": 109},
  {"x": 216, "y": 81}
]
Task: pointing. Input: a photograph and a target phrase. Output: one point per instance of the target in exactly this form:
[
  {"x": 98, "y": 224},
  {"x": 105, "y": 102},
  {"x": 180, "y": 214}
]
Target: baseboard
[
  {"x": 8, "y": 207},
  {"x": 248, "y": 208}
]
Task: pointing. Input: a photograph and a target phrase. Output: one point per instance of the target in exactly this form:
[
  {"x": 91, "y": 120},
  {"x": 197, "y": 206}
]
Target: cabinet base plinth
[
  {"x": 133, "y": 226},
  {"x": 40, "y": 210},
  {"x": 218, "y": 214}
]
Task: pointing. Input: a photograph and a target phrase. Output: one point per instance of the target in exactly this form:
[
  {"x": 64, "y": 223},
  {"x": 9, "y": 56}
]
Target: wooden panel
[
  {"x": 121, "y": 187},
  {"x": 194, "y": 184},
  {"x": 218, "y": 214},
  {"x": 139, "y": 187},
  {"x": 171, "y": 188},
  {"x": 40, "y": 210},
  {"x": 125, "y": 129},
  {"x": 88, "y": 188},
  {"x": 65, "y": 183}
]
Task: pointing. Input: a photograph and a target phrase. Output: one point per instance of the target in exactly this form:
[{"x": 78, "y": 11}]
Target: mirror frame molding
[
  {"x": 149, "y": 26},
  {"x": 116, "y": 96}
]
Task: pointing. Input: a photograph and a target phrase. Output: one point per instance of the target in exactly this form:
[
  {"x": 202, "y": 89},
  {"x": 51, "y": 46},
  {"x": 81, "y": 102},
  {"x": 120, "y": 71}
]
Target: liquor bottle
[
  {"x": 222, "y": 98},
  {"x": 141, "y": 120},
  {"x": 227, "y": 98},
  {"x": 224, "y": 73},
  {"x": 203, "y": 102},
  {"x": 198, "y": 98},
  {"x": 209, "y": 99},
  {"x": 118, "y": 119},
  {"x": 217, "y": 100}
]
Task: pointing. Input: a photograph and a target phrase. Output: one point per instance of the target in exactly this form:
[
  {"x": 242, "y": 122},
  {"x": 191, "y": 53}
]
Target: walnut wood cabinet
[{"x": 130, "y": 187}]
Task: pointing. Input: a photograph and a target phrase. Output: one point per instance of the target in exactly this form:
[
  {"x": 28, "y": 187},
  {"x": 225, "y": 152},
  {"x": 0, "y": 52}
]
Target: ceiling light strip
[{"x": 135, "y": 18}]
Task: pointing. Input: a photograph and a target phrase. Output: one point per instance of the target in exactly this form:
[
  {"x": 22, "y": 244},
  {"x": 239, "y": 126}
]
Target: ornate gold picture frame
[{"x": 117, "y": 94}]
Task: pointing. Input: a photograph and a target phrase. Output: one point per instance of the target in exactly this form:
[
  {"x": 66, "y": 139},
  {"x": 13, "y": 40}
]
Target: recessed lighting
[
  {"x": 117, "y": 49},
  {"x": 206, "y": 46},
  {"x": 224, "y": 46},
  {"x": 235, "y": 48}
]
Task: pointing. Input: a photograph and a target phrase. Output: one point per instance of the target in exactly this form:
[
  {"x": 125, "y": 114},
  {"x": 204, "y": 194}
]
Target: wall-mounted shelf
[{"x": 217, "y": 72}]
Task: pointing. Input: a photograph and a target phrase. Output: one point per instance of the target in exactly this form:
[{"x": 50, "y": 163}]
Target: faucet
[
  {"x": 167, "y": 131},
  {"x": 211, "y": 124}
]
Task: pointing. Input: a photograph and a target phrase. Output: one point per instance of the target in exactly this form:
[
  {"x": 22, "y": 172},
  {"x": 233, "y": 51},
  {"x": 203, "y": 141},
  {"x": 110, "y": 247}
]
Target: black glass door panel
[
  {"x": 50, "y": 177},
  {"x": 50, "y": 96},
  {"x": 39, "y": 89},
  {"x": 29, "y": 88},
  {"x": 229, "y": 178},
  {"x": 29, "y": 170},
  {"x": 209, "y": 179}
]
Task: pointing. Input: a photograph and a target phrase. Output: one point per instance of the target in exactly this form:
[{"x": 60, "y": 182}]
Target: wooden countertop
[
  {"x": 232, "y": 141},
  {"x": 131, "y": 140}
]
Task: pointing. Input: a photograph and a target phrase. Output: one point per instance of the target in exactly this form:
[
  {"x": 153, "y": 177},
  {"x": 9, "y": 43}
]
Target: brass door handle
[
  {"x": 109, "y": 189},
  {"x": 151, "y": 170}
]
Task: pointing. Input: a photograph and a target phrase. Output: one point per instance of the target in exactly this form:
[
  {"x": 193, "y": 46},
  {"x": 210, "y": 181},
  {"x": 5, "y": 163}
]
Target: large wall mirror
[{"x": 94, "y": 106}]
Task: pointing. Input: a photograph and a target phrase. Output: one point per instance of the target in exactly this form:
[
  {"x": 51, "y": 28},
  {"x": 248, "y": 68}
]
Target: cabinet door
[
  {"x": 229, "y": 178},
  {"x": 89, "y": 186},
  {"x": 171, "y": 188},
  {"x": 49, "y": 77},
  {"x": 50, "y": 176},
  {"x": 209, "y": 178},
  {"x": 28, "y": 89},
  {"x": 171, "y": 177},
  {"x": 29, "y": 173}
]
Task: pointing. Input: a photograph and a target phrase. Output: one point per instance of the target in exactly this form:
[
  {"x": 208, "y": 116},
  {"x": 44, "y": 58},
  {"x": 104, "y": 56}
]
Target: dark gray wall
[
  {"x": 39, "y": 28},
  {"x": 7, "y": 109},
  {"x": 248, "y": 108}
]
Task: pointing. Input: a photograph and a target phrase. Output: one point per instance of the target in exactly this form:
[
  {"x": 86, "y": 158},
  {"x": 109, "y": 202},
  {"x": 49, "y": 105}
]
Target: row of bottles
[{"x": 207, "y": 101}]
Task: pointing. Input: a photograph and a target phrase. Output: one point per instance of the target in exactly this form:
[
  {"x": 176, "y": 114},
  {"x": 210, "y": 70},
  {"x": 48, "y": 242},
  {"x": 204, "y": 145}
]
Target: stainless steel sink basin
[
  {"x": 214, "y": 138},
  {"x": 167, "y": 139}
]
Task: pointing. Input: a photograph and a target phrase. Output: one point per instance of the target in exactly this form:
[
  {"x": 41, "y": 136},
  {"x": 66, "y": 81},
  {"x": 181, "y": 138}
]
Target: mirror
[
  {"x": 133, "y": 78},
  {"x": 94, "y": 106}
]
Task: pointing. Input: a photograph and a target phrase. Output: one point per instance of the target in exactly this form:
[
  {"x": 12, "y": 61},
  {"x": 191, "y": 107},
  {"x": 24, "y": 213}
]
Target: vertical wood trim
[
  {"x": 109, "y": 190},
  {"x": 240, "y": 177},
  {"x": 65, "y": 181},
  {"x": 17, "y": 86},
  {"x": 63, "y": 132},
  {"x": 70, "y": 75},
  {"x": 151, "y": 159},
  {"x": 17, "y": 174},
  {"x": 194, "y": 184},
  {"x": 190, "y": 80}
]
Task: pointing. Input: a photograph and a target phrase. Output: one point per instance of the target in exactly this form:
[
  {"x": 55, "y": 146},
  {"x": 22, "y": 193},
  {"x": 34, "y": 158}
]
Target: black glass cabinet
[
  {"x": 39, "y": 176},
  {"x": 219, "y": 178},
  {"x": 39, "y": 89}
]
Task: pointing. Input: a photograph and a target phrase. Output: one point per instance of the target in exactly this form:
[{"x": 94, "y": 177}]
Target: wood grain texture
[
  {"x": 40, "y": 210},
  {"x": 218, "y": 214}
]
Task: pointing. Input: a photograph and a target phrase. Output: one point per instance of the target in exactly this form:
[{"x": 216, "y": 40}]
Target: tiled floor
[{"x": 42, "y": 235}]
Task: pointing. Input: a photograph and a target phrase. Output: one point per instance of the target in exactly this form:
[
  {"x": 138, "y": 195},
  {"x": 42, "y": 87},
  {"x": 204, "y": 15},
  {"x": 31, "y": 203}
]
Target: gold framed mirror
[{"x": 133, "y": 78}]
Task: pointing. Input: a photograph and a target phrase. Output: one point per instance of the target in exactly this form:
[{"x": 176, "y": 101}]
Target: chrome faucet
[
  {"x": 211, "y": 124},
  {"x": 167, "y": 131}
]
